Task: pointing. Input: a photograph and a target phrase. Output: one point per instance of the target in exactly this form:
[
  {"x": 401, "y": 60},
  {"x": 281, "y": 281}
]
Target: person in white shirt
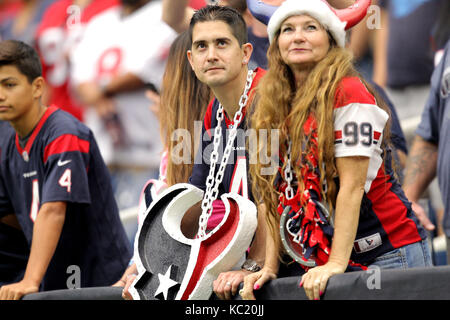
[{"x": 124, "y": 51}]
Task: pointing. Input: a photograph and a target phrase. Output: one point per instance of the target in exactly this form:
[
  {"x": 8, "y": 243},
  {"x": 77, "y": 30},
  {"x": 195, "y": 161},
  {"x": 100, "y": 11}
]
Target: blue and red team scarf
[{"x": 307, "y": 217}]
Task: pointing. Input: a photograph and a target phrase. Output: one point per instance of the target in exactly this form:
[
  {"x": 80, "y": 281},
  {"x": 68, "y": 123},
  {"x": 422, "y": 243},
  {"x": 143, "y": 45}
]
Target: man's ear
[
  {"x": 189, "y": 56},
  {"x": 38, "y": 87},
  {"x": 247, "y": 49}
]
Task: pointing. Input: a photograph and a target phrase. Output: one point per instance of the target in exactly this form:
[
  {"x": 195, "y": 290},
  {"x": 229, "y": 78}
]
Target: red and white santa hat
[{"x": 337, "y": 21}]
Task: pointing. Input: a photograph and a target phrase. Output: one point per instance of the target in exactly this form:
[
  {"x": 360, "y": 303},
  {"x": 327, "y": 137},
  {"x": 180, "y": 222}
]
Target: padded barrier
[
  {"x": 417, "y": 283},
  {"x": 96, "y": 293},
  {"x": 376, "y": 284}
]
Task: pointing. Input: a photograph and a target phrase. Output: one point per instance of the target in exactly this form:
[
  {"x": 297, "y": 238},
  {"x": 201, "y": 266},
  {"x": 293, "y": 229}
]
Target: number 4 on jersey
[
  {"x": 239, "y": 179},
  {"x": 35, "y": 200},
  {"x": 66, "y": 179}
]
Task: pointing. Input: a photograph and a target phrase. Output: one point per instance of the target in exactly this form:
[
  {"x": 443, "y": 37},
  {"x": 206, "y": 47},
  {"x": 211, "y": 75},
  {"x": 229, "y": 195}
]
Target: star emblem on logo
[{"x": 165, "y": 283}]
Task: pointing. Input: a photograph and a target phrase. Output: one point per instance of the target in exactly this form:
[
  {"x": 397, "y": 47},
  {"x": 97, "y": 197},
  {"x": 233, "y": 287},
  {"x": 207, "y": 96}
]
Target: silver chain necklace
[
  {"x": 213, "y": 182},
  {"x": 289, "y": 191}
]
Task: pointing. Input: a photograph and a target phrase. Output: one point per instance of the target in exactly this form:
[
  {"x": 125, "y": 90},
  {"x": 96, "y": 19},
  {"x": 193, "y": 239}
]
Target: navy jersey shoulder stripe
[{"x": 66, "y": 143}]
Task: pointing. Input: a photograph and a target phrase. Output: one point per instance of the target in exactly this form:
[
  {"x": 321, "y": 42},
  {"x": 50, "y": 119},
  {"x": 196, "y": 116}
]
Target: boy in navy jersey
[{"x": 57, "y": 184}]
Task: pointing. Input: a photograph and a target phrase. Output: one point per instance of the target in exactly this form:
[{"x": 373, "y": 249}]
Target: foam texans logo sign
[{"x": 173, "y": 267}]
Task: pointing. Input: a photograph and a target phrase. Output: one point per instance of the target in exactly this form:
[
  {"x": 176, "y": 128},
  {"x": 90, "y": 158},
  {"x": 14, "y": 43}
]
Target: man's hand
[
  {"x": 17, "y": 290},
  {"x": 422, "y": 216},
  {"x": 227, "y": 283},
  {"x": 125, "y": 292},
  {"x": 155, "y": 100},
  {"x": 420, "y": 170}
]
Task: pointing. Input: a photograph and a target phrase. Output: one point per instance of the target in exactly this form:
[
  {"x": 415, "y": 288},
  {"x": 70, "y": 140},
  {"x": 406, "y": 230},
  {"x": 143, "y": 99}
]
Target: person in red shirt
[
  {"x": 335, "y": 205},
  {"x": 59, "y": 32}
]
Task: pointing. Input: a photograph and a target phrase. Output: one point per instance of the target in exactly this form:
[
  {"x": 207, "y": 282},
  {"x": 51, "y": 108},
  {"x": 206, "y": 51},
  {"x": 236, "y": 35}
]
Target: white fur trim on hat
[{"x": 314, "y": 8}]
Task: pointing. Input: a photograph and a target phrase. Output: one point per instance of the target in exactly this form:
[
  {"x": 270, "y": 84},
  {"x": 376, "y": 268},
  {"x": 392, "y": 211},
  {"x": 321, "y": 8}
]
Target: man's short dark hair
[
  {"x": 219, "y": 13},
  {"x": 22, "y": 56}
]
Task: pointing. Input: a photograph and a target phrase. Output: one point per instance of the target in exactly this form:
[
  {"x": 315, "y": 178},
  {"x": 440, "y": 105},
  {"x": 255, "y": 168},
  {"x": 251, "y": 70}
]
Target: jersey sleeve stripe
[
  {"x": 352, "y": 90},
  {"x": 66, "y": 143},
  {"x": 357, "y": 141}
]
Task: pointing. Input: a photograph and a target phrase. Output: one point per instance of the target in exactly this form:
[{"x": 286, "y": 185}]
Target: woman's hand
[
  {"x": 315, "y": 280},
  {"x": 227, "y": 283},
  {"x": 254, "y": 281},
  {"x": 352, "y": 173}
]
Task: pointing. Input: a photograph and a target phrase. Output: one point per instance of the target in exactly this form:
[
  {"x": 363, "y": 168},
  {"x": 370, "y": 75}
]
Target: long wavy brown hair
[
  {"x": 184, "y": 100},
  {"x": 284, "y": 106}
]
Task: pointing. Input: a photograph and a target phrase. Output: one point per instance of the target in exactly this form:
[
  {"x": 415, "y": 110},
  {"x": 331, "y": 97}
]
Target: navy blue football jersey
[
  {"x": 14, "y": 249},
  {"x": 6, "y": 134},
  {"x": 61, "y": 162},
  {"x": 386, "y": 219},
  {"x": 235, "y": 177}
]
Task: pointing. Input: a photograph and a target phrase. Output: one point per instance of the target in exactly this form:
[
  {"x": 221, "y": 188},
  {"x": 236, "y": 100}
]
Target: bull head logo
[{"x": 173, "y": 267}]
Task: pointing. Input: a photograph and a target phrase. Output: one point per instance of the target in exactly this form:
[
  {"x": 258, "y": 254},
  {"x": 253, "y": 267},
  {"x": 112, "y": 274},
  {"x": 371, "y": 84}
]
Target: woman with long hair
[
  {"x": 184, "y": 100},
  {"x": 335, "y": 194}
]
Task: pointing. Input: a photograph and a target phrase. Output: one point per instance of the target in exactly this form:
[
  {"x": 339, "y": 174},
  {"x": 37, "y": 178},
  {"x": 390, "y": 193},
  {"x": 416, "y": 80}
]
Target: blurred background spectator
[
  {"x": 21, "y": 19},
  {"x": 406, "y": 57},
  {"x": 123, "y": 52},
  {"x": 60, "y": 30}
]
